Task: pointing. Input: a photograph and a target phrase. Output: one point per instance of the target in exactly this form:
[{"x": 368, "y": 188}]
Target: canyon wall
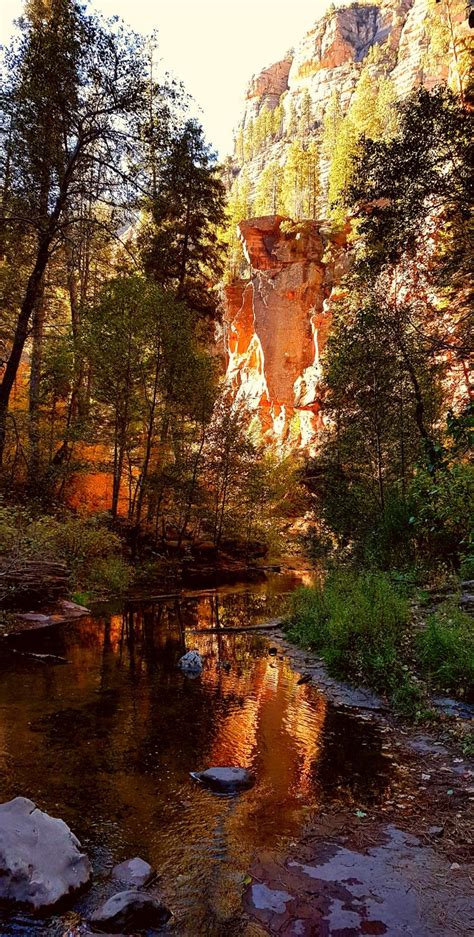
[
  {"x": 402, "y": 38},
  {"x": 276, "y": 324},
  {"x": 276, "y": 321}
]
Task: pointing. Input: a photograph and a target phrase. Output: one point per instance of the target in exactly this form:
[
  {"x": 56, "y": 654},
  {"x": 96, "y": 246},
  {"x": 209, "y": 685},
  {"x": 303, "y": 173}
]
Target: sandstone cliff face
[
  {"x": 276, "y": 324},
  {"x": 330, "y": 58}
]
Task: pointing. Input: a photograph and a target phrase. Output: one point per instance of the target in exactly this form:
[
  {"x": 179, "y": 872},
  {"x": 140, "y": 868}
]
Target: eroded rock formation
[
  {"x": 276, "y": 325},
  {"x": 330, "y": 57}
]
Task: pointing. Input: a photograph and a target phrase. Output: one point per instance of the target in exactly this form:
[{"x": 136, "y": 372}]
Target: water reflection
[{"x": 107, "y": 742}]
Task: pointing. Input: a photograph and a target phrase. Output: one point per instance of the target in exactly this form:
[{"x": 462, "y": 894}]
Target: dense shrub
[
  {"x": 356, "y": 622},
  {"x": 445, "y": 650},
  {"x": 441, "y": 511},
  {"x": 91, "y": 551}
]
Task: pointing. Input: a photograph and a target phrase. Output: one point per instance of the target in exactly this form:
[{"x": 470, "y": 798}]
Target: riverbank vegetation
[{"x": 392, "y": 483}]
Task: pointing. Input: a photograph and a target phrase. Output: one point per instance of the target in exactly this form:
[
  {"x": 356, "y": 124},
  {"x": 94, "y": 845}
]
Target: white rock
[
  {"x": 40, "y": 858},
  {"x": 191, "y": 662},
  {"x": 135, "y": 872},
  {"x": 129, "y": 911}
]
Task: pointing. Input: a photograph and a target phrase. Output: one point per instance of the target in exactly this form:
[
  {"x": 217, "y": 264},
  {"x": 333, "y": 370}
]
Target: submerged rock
[
  {"x": 191, "y": 662},
  {"x": 40, "y": 858},
  {"x": 134, "y": 872},
  {"x": 225, "y": 780},
  {"x": 129, "y": 911}
]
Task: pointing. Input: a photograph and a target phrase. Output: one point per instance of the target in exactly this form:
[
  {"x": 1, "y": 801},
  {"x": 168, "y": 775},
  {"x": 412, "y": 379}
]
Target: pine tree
[
  {"x": 268, "y": 194},
  {"x": 239, "y": 207},
  {"x": 332, "y": 122},
  {"x": 306, "y": 115},
  {"x": 239, "y": 147},
  {"x": 68, "y": 101},
  {"x": 182, "y": 245},
  {"x": 249, "y": 145},
  {"x": 371, "y": 114}
]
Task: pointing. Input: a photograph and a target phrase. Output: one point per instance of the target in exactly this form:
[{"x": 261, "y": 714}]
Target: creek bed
[{"x": 107, "y": 742}]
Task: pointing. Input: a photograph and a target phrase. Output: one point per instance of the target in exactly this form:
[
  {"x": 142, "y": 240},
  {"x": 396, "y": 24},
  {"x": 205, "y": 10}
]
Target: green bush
[
  {"x": 109, "y": 576},
  {"x": 445, "y": 650},
  {"x": 356, "y": 622},
  {"x": 90, "y": 550},
  {"x": 441, "y": 511}
]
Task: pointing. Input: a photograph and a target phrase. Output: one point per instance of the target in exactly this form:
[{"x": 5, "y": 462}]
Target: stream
[{"x": 107, "y": 742}]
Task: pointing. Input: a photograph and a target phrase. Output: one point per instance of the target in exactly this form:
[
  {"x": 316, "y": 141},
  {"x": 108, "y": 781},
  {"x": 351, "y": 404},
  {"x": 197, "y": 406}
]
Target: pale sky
[{"x": 213, "y": 46}]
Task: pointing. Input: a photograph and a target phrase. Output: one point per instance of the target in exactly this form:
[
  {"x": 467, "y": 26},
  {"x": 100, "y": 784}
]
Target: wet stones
[
  {"x": 135, "y": 873},
  {"x": 225, "y": 780},
  {"x": 129, "y": 911},
  {"x": 191, "y": 663},
  {"x": 40, "y": 858}
]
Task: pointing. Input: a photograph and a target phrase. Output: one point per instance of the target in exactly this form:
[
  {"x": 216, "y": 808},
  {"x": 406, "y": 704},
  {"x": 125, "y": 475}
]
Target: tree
[
  {"x": 332, "y": 121},
  {"x": 306, "y": 115},
  {"x": 371, "y": 114},
  {"x": 300, "y": 187},
  {"x": 249, "y": 143},
  {"x": 367, "y": 458},
  {"x": 413, "y": 195},
  {"x": 153, "y": 336},
  {"x": 71, "y": 103},
  {"x": 239, "y": 207},
  {"x": 268, "y": 193},
  {"x": 180, "y": 247}
]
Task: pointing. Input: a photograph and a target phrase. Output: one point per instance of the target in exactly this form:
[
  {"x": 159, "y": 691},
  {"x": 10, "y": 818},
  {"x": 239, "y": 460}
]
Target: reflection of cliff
[{"x": 277, "y": 323}]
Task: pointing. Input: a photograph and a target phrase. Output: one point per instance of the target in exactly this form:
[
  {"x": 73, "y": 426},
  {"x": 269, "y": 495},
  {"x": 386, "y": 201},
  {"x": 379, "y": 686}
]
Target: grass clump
[
  {"x": 445, "y": 650},
  {"x": 356, "y": 621}
]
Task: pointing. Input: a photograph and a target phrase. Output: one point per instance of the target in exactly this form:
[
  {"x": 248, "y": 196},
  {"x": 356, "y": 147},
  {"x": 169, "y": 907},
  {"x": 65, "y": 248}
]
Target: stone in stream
[
  {"x": 191, "y": 663},
  {"x": 225, "y": 780},
  {"x": 128, "y": 912},
  {"x": 40, "y": 858},
  {"x": 136, "y": 873}
]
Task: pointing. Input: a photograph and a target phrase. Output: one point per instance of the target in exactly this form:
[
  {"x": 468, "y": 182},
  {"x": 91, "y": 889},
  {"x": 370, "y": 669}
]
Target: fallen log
[{"x": 267, "y": 626}]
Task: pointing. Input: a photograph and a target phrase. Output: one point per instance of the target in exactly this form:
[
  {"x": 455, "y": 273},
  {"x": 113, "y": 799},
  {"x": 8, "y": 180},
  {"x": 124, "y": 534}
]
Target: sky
[{"x": 213, "y": 46}]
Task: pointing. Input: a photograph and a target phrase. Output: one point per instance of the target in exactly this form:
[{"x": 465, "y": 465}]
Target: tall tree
[
  {"x": 71, "y": 102},
  {"x": 181, "y": 248}
]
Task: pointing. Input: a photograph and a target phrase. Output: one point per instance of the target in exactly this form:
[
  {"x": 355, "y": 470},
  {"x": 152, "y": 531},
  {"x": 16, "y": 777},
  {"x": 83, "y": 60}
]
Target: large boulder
[
  {"x": 225, "y": 780},
  {"x": 40, "y": 858},
  {"x": 136, "y": 873},
  {"x": 128, "y": 912}
]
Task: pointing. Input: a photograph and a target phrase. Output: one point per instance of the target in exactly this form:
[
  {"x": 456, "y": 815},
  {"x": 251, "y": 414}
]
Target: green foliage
[
  {"x": 426, "y": 163},
  {"x": 445, "y": 650},
  {"x": 90, "y": 550},
  {"x": 356, "y": 622},
  {"x": 181, "y": 248},
  {"x": 390, "y": 481},
  {"x": 441, "y": 511},
  {"x": 332, "y": 122},
  {"x": 300, "y": 189},
  {"x": 108, "y": 576},
  {"x": 268, "y": 193},
  {"x": 371, "y": 115},
  {"x": 239, "y": 207}
]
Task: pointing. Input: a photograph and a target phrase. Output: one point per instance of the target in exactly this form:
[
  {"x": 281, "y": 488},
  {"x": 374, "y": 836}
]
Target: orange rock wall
[{"x": 276, "y": 325}]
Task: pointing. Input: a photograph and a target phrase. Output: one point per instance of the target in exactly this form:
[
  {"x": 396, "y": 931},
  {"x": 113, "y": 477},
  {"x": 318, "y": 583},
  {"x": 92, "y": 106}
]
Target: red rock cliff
[{"x": 276, "y": 325}]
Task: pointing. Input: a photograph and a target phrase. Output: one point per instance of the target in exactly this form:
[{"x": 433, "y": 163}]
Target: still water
[{"x": 108, "y": 741}]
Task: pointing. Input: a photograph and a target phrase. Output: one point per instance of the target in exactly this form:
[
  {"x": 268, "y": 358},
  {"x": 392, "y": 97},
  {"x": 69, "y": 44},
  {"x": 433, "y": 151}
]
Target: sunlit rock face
[
  {"x": 276, "y": 325},
  {"x": 329, "y": 58}
]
